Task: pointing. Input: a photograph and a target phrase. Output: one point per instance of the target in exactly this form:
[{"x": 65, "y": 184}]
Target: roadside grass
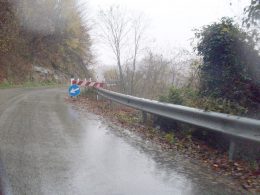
[
  {"x": 127, "y": 117},
  {"x": 170, "y": 138},
  {"x": 30, "y": 84}
]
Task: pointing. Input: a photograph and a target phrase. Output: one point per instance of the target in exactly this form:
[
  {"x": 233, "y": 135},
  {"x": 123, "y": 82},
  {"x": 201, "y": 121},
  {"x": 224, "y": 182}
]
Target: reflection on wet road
[{"x": 47, "y": 147}]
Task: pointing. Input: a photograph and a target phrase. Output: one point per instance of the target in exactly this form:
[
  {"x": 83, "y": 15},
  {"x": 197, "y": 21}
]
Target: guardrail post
[
  {"x": 144, "y": 116},
  {"x": 111, "y": 104},
  {"x": 231, "y": 151}
]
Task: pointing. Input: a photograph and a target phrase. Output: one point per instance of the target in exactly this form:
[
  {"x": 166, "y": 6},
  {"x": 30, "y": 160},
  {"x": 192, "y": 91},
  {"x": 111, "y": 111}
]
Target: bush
[
  {"x": 192, "y": 98},
  {"x": 230, "y": 68},
  {"x": 170, "y": 138}
]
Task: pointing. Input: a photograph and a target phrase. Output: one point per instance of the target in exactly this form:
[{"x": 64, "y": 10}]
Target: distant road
[{"x": 47, "y": 147}]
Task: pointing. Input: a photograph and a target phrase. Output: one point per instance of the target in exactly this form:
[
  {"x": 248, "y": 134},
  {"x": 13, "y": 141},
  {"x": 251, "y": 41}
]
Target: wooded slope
[{"x": 50, "y": 34}]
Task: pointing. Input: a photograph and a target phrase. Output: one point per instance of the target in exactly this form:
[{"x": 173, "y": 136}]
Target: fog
[
  {"x": 171, "y": 23},
  {"x": 41, "y": 17}
]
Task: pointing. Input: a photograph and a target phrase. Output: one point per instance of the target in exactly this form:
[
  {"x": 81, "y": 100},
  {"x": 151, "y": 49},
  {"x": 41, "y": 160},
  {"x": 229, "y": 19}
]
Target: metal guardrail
[{"x": 236, "y": 126}]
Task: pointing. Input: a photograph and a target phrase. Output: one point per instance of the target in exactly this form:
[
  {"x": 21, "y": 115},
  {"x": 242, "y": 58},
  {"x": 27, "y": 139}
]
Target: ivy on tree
[
  {"x": 252, "y": 13},
  {"x": 230, "y": 63}
]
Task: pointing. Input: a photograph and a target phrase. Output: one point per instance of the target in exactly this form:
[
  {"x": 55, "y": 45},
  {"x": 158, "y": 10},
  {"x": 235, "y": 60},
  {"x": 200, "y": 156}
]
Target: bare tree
[
  {"x": 122, "y": 29},
  {"x": 153, "y": 77},
  {"x": 180, "y": 66},
  {"x": 193, "y": 79},
  {"x": 138, "y": 27},
  {"x": 115, "y": 26}
]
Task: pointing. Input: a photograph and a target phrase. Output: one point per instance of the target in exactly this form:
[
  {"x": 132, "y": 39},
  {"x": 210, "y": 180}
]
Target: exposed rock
[{"x": 45, "y": 74}]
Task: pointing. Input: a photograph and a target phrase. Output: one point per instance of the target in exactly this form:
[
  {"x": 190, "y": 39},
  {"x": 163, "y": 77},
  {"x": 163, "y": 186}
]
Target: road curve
[{"x": 47, "y": 147}]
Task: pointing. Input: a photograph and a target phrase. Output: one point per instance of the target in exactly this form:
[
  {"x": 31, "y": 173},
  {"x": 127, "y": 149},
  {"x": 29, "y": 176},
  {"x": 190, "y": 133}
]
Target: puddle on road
[{"x": 123, "y": 163}]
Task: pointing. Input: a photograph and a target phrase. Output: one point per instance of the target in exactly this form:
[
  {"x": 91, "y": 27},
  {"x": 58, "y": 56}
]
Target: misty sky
[{"x": 170, "y": 21}]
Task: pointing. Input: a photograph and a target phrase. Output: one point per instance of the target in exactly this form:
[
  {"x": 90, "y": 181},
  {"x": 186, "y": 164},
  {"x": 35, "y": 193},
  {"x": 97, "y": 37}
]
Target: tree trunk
[{"x": 121, "y": 75}]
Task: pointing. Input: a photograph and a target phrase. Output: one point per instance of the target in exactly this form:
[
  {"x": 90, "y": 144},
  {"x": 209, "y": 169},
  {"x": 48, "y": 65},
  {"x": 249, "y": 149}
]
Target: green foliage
[
  {"x": 221, "y": 105},
  {"x": 126, "y": 118},
  {"x": 89, "y": 92},
  {"x": 170, "y": 138},
  {"x": 227, "y": 71},
  {"x": 251, "y": 19},
  {"x": 252, "y": 13},
  {"x": 190, "y": 97},
  {"x": 181, "y": 96},
  {"x": 176, "y": 96},
  {"x": 28, "y": 84}
]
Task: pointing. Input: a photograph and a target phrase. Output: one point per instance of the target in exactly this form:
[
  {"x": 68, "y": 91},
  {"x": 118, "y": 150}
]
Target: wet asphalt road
[{"x": 47, "y": 147}]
